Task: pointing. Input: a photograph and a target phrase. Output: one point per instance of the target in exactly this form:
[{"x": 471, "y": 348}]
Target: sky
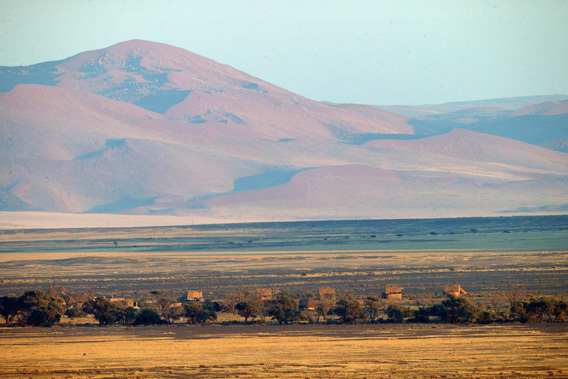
[{"x": 373, "y": 52}]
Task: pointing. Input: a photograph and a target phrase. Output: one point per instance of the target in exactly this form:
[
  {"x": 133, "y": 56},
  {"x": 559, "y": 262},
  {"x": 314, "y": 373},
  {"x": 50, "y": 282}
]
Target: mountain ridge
[{"x": 150, "y": 129}]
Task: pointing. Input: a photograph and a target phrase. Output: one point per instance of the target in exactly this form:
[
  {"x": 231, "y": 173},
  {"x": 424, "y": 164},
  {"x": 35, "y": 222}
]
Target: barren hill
[{"x": 147, "y": 128}]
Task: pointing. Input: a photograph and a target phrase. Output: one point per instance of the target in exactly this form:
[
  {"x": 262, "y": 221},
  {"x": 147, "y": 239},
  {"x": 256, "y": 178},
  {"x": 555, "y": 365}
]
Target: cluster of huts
[{"x": 326, "y": 294}]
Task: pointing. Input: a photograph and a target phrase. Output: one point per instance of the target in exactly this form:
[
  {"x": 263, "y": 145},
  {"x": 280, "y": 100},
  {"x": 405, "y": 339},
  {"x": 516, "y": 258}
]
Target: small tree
[
  {"x": 263, "y": 307},
  {"x": 457, "y": 310},
  {"x": 40, "y": 309},
  {"x": 247, "y": 309},
  {"x": 105, "y": 311},
  {"x": 515, "y": 294},
  {"x": 10, "y": 307},
  {"x": 200, "y": 313},
  {"x": 130, "y": 315},
  {"x": 560, "y": 310},
  {"x": 174, "y": 313},
  {"x": 397, "y": 313},
  {"x": 147, "y": 317},
  {"x": 324, "y": 306},
  {"x": 498, "y": 304},
  {"x": 518, "y": 312},
  {"x": 74, "y": 312},
  {"x": 209, "y": 313},
  {"x": 231, "y": 301},
  {"x": 284, "y": 309},
  {"x": 422, "y": 314},
  {"x": 372, "y": 306},
  {"x": 192, "y": 311},
  {"x": 164, "y": 302},
  {"x": 537, "y": 309},
  {"x": 349, "y": 309}
]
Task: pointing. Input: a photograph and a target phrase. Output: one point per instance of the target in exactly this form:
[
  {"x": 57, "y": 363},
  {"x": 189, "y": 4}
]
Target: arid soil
[
  {"x": 219, "y": 273},
  {"x": 483, "y": 255},
  {"x": 486, "y": 256},
  {"x": 298, "y": 351}
]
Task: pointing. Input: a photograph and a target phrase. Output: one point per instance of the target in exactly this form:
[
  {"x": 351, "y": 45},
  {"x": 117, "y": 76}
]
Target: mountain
[
  {"x": 538, "y": 120},
  {"x": 502, "y": 104},
  {"x": 149, "y": 129}
]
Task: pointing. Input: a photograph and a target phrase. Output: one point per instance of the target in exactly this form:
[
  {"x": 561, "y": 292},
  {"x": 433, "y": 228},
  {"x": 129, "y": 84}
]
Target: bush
[
  {"x": 456, "y": 310},
  {"x": 104, "y": 311},
  {"x": 372, "y": 306},
  {"x": 485, "y": 317},
  {"x": 539, "y": 310},
  {"x": 75, "y": 312},
  {"x": 10, "y": 307},
  {"x": 247, "y": 309},
  {"x": 422, "y": 315},
  {"x": 349, "y": 309},
  {"x": 200, "y": 313},
  {"x": 130, "y": 315},
  {"x": 40, "y": 309},
  {"x": 174, "y": 313},
  {"x": 284, "y": 309},
  {"x": 147, "y": 317},
  {"x": 397, "y": 313}
]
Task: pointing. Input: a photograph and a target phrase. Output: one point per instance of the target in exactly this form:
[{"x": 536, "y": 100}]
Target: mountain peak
[
  {"x": 156, "y": 52},
  {"x": 145, "y": 127}
]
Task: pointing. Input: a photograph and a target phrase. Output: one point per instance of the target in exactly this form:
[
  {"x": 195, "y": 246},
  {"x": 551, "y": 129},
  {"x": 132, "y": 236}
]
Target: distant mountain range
[
  {"x": 538, "y": 120},
  {"x": 146, "y": 128}
]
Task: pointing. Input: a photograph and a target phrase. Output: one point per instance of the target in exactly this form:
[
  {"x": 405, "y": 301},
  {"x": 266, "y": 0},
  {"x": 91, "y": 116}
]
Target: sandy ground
[
  {"x": 299, "y": 351},
  {"x": 47, "y": 220},
  {"x": 132, "y": 273}
]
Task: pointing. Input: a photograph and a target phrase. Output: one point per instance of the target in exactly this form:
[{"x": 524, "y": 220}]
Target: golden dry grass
[
  {"x": 220, "y": 272},
  {"x": 300, "y": 351}
]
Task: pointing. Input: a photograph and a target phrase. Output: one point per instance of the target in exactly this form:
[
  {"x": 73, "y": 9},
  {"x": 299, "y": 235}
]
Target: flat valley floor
[
  {"x": 486, "y": 256},
  {"x": 482, "y": 254},
  {"x": 297, "y": 351}
]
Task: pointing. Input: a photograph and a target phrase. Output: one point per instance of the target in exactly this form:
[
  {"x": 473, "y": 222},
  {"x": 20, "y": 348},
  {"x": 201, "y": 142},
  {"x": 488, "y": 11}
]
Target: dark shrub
[
  {"x": 456, "y": 310},
  {"x": 284, "y": 309},
  {"x": 200, "y": 313},
  {"x": 397, "y": 313},
  {"x": 147, "y": 317},
  {"x": 75, "y": 312},
  {"x": 349, "y": 309},
  {"x": 40, "y": 309},
  {"x": 105, "y": 312}
]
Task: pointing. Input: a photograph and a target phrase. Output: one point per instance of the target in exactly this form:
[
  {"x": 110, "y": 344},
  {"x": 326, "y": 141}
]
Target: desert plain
[
  {"x": 298, "y": 351},
  {"x": 487, "y": 256}
]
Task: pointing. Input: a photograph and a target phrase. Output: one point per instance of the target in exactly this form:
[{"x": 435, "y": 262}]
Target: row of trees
[
  {"x": 455, "y": 310},
  {"x": 37, "y": 308},
  {"x": 283, "y": 309}
]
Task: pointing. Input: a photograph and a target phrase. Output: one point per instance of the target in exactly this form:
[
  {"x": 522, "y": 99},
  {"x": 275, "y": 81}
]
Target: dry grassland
[
  {"x": 483, "y": 255},
  {"x": 355, "y": 257},
  {"x": 299, "y": 351},
  {"x": 221, "y": 272}
]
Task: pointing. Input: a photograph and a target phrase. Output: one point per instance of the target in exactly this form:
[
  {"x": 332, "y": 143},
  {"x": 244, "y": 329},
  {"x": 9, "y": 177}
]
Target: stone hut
[
  {"x": 306, "y": 304},
  {"x": 454, "y": 290},
  {"x": 194, "y": 296},
  {"x": 265, "y": 294},
  {"x": 392, "y": 292},
  {"x": 123, "y": 302}
]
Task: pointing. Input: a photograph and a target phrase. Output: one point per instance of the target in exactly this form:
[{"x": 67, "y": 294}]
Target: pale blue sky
[{"x": 374, "y": 52}]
